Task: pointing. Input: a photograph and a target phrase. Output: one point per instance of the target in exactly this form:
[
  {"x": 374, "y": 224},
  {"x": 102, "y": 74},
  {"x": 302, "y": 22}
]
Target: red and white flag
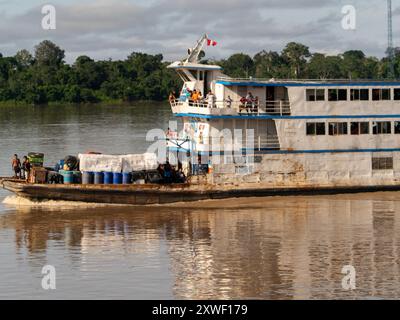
[{"x": 211, "y": 42}]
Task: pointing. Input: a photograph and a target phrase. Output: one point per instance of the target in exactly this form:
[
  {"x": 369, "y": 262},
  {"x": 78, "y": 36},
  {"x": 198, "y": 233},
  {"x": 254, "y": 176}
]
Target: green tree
[
  {"x": 269, "y": 64},
  {"x": 353, "y": 62},
  {"x": 296, "y": 54},
  {"x": 24, "y": 59},
  {"x": 239, "y": 65},
  {"x": 49, "y": 54},
  {"x": 324, "y": 67},
  {"x": 89, "y": 73}
]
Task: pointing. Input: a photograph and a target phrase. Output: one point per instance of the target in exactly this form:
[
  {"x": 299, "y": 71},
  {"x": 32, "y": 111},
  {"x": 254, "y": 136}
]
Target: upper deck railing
[
  {"x": 281, "y": 108},
  {"x": 273, "y": 80}
]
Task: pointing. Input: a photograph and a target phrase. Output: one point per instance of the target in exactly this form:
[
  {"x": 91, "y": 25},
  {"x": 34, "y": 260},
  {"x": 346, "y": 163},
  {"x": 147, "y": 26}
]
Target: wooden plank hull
[{"x": 157, "y": 194}]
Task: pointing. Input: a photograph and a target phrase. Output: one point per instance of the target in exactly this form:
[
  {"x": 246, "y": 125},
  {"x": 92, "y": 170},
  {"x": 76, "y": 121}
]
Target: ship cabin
[{"x": 285, "y": 116}]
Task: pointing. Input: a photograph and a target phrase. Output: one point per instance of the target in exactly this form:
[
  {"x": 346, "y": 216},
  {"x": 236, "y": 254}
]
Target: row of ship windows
[
  {"x": 356, "y": 128},
  {"x": 382, "y": 163},
  {"x": 355, "y": 94}
]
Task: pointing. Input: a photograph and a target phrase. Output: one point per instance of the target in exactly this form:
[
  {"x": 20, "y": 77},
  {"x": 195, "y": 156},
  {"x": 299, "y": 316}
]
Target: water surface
[{"x": 261, "y": 248}]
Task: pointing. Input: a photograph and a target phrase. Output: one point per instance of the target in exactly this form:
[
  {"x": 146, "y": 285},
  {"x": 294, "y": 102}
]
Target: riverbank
[{"x": 115, "y": 102}]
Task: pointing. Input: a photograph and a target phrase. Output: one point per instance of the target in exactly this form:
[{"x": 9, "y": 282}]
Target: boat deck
[{"x": 164, "y": 194}]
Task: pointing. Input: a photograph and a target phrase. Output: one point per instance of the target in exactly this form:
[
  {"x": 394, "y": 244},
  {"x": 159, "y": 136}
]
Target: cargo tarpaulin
[
  {"x": 138, "y": 162},
  {"x": 118, "y": 163},
  {"x": 99, "y": 163}
]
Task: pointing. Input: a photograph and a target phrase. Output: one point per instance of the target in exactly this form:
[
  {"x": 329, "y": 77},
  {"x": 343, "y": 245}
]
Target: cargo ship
[{"x": 262, "y": 137}]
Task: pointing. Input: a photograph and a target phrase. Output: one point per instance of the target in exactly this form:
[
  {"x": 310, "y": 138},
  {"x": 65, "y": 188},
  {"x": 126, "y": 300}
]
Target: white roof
[{"x": 193, "y": 66}]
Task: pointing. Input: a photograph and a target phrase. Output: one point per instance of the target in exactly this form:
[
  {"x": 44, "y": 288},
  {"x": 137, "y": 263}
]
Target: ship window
[
  {"x": 332, "y": 95},
  {"x": 381, "y": 127},
  {"x": 337, "y": 128},
  {"x": 310, "y": 95},
  {"x": 315, "y": 94},
  {"x": 385, "y": 94},
  {"x": 382, "y": 163},
  {"x": 380, "y": 94},
  {"x": 316, "y": 129},
  {"x": 337, "y": 94},
  {"x": 342, "y": 94},
  {"x": 375, "y": 94},
  {"x": 359, "y": 94},
  {"x": 396, "y": 94},
  {"x": 320, "y": 94},
  {"x": 357, "y": 128},
  {"x": 397, "y": 127}
]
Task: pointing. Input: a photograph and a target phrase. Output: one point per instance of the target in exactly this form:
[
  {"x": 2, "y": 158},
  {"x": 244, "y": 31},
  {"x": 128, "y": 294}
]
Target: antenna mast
[
  {"x": 195, "y": 52},
  {"x": 390, "y": 50}
]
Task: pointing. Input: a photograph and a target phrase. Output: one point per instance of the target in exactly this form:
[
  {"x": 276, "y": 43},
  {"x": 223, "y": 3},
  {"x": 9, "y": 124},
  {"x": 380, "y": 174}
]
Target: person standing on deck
[
  {"x": 172, "y": 97},
  {"x": 255, "y": 103},
  {"x": 228, "y": 102},
  {"x": 249, "y": 102},
  {"x": 195, "y": 97},
  {"x": 16, "y": 166},
  {"x": 199, "y": 99},
  {"x": 210, "y": 99},
  {"x": 25, "y": 168},
  {"x": 168, "y": 133}
]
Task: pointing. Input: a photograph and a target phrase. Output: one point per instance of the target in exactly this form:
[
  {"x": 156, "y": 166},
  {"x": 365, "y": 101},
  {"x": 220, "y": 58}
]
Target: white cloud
[{"x": 111, "y": 28}]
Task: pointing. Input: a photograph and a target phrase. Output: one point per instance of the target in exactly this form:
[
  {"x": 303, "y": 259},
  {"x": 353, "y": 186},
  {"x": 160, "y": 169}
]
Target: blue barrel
[
  {"x": 117, "y": 178},
  {"x": 108, "y": 178},
  {"x": 68, "y": 177},
  {"x": 98, "y": 178},
  {"x": 87, "y": 177},
  {"x": 126, "y": 178},
  {"x": 77, "y": 176}
]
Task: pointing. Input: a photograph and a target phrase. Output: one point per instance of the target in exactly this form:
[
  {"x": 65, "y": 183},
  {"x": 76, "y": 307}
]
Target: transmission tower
[{"x": 390, "y": 49}]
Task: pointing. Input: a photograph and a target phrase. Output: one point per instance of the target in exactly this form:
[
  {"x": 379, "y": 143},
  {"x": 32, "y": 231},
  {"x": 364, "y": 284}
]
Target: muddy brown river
[{"x": 256, "y": 248}]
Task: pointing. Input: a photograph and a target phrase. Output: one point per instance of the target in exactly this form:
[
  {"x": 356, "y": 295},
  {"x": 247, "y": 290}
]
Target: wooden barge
[{"x": 149, "y": 194}]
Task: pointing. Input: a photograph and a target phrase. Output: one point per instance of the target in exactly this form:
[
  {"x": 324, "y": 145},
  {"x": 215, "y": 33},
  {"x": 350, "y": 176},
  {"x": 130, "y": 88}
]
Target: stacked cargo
[
  {"x": 114, "y": 169},
  {"x": 90, "y": 169},
  {"x": 37, "y": 174},
  {"x": 36, "y": 159}
]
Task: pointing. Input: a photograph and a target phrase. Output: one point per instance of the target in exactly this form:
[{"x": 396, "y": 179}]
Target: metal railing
[
  {"x": 275, "y": 80},
  {"x": 260, "y": 143},
  {"x": 270, "y": 142},
  {"x": 281, "y": 107}
]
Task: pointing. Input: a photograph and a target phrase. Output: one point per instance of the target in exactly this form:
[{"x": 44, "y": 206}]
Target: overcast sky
[{"x": 113, "y": 29}]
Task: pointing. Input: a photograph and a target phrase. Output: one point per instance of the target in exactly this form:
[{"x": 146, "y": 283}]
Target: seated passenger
[
  {"x": 160, "y": 170},
  {"x": 167, "y": 173},
  {"x": 180, "y": 176}
]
